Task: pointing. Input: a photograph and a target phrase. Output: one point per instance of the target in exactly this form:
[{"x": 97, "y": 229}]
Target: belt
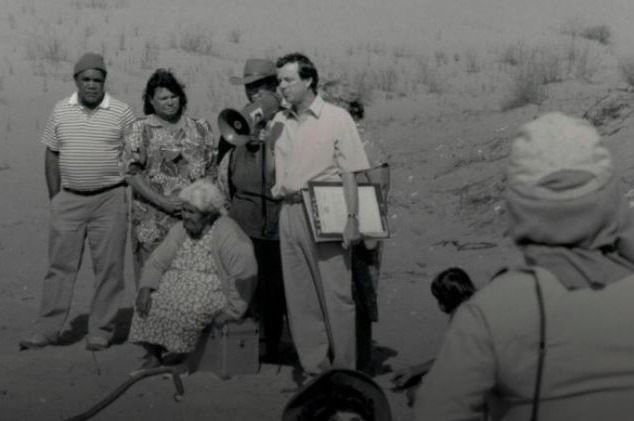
[
  {"x": 96, "y": 191},
  {"x": 293, "y": 198}
]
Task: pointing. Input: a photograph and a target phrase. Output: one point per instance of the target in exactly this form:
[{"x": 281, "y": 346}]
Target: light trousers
[
  {"x": 318, "y": 289},
  {"x": 102, "y": 220}
]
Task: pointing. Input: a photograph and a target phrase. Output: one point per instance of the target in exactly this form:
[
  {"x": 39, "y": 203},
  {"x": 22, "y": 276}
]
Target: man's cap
[
  {"x": 255, "y": 69},
  {"x": 338, "y": 390},
  {"x": 90, "y": 61}
]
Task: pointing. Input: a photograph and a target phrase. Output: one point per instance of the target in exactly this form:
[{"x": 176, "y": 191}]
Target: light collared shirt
[
  {"x": 319, "y": 145},
  {"x": 88, "y": 141}
]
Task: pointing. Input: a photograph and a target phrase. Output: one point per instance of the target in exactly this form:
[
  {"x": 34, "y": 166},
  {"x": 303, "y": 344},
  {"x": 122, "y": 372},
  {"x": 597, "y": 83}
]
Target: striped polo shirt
[{"x": 88, "y": 141}]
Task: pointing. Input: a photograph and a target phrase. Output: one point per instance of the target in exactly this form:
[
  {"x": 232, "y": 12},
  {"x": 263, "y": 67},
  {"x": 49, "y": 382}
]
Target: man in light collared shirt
[
  {"x": 319, "y": 142},
  {"x": 83, "y": 138}
]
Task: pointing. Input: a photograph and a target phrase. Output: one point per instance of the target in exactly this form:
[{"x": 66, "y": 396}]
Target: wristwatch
[{"x": 352, "y": 215}]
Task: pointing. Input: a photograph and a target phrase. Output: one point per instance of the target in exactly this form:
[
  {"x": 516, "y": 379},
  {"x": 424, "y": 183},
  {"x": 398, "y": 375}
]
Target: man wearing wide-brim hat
[
  {"x": 87, "y": 193},
  {"x": 247, "y": 175}
]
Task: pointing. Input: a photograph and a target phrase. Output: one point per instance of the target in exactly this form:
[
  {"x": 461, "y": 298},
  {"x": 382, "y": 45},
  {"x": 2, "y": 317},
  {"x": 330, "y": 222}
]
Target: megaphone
[{"x": 238, "y": 127}]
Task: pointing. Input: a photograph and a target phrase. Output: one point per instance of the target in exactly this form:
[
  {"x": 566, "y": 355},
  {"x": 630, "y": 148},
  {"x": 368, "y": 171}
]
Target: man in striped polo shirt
[{"x": 83, "y": 138}]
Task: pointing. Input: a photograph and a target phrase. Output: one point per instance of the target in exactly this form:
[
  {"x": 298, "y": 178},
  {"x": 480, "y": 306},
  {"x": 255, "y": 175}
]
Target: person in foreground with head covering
[
  {"x": 550, "y": 340},
  {"x": 204, "y": 271},
  {"x": 339, "y": 395}
]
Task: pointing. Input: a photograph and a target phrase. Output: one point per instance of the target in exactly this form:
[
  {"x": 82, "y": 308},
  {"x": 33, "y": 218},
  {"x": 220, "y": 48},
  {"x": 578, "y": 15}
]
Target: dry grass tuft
[
  {"x": 150, "y": 55},
  {"x": 235, "y": 36},
  {"x": 600, "y": 33},
  {"x": 99, "y": 4},
  {"x": 49, "y": 47},
  {"x": 626, "y": 66},
  {"x": 527, "y": 87},
  {"x": 197, "y": 41}
]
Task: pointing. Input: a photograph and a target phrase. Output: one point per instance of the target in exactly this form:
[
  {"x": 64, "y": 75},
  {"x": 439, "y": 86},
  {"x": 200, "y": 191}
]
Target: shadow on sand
[{"x": 79, "y": 328}]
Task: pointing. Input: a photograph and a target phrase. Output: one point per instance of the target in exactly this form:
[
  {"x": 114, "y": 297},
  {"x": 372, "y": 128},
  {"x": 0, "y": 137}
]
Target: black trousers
[{"x": 270, "y": 304}]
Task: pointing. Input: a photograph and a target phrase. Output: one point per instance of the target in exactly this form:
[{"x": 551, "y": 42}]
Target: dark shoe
[
  {"x": 97, "y": 343},
  {"x": 150, "y": 362},
  {"x": 173, "y": 358},
  {"x": 34, "y": 341}
]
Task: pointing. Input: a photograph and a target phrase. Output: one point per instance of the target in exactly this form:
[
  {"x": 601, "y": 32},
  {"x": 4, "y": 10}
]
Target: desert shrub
[
  {"x": 513, "y": 54},
  {"x": 471, "y": 62},
  {"x": 400, "y": 53},
  {"x": 363, "y": 84},
  {"x": 547, "y": 64},
  {"x": 47, "y": 47},
  {"x": 441, "y": 58},
  {"x": 429, "y": 77},
  {"x": 626, "y": 66},
  {"x": 99, "y": 4},
  {"x": 527, "y": 87},
  {"x": 197, "y": 41},
  {"x": 235, "y": 36},
  {"x": 150, "y": 55},
  {"x": 580, "y": 62},
  {"x": 600, "y": 33}
]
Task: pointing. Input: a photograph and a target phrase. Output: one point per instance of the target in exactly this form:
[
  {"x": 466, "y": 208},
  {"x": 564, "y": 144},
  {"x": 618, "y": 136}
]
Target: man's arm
[
  {"x": 51, "y": 169},
  {"x": 351, "y": 234}
]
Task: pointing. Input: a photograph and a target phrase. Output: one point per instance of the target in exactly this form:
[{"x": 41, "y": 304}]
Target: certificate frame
[{"x": 326, "y": 211}]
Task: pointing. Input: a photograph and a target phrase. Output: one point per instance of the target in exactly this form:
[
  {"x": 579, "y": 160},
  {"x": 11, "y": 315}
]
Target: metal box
[{"x": 228, "y": 350}]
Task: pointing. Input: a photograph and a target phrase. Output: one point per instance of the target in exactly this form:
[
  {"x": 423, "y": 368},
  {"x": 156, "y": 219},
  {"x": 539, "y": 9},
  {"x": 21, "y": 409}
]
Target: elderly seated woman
[{"x": 204, "y": 271}]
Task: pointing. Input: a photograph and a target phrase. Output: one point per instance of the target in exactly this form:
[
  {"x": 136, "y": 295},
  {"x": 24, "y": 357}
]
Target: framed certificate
[{"x": 325, "y": 206}]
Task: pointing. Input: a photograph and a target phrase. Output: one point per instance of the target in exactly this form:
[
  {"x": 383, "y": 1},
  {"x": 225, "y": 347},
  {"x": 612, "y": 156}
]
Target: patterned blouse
[{"x": 169, "y": 161}]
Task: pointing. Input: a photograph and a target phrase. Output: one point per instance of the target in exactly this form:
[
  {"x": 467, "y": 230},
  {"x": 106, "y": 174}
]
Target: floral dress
[
  {"x": 188, "y": 298},
  {"x": 169, "y": 162}
]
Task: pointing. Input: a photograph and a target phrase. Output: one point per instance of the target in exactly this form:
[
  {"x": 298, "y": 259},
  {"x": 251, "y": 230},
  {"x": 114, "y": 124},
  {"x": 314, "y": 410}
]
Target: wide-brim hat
[
  {"x": 255, "y": 69},
  {"x": 342, "y": 390}
]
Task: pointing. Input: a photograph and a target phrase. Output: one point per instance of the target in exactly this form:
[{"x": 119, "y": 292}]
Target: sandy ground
[{"x": 447, "y": 137}]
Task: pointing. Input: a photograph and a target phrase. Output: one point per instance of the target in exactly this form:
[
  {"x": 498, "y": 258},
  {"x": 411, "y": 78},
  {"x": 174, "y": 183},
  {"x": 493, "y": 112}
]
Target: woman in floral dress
[
  {"x": 163, "y": 153},
  {"x": 204, "y": 271}
]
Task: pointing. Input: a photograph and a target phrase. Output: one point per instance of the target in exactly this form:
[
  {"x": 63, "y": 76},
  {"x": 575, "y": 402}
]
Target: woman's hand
[
  {"x": 144, "y": 301},
  {"x": 172, "y": 205}
]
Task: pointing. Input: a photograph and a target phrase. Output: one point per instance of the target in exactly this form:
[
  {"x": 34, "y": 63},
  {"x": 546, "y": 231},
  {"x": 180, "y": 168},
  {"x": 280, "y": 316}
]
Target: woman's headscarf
[
  {"x": 204, "y": 196},
  {"x": 566, "y": 208}
]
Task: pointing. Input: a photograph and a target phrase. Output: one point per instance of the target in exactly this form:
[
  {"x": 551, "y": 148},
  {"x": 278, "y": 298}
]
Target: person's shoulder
[
  {"x": 227, "y": 227},
  {"x": 336, "y": 112},
  {"x": 139, "y": 123},
  {"x": 116, "y": 101},
  {"x": 63, "y": 103},
  {"x": 505, "y": 285},
  {"x": 281, "y": 115},
  {"x": 198, "y": 122},
  {"x": 118, "y": 104},
  {"x": 225, "y": 222}
]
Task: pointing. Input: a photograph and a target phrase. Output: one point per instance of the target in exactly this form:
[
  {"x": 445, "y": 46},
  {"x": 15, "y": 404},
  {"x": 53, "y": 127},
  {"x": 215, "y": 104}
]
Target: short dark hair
[
  {"x": 306, "y": 68},
  {"x": 163, "y": 78},
  {"x": 356, "y": 110},
  {"x": 451, "y": 287}
]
